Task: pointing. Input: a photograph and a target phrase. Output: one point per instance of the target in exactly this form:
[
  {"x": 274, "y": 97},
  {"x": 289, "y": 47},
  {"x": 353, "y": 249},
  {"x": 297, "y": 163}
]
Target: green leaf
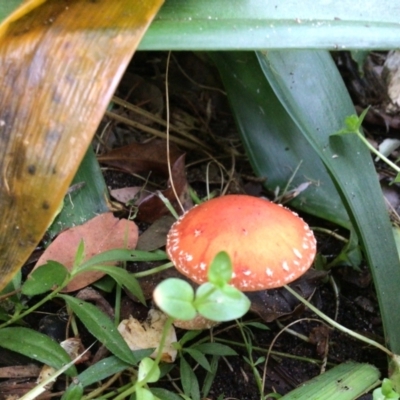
[
  {"x": 144, "y": 394},
  {"x": 104, "y": 369},
  {"x": 164, "y": 394},
  {"x": 146, "y": 371},
  {"x": 272, "y": 138},
  {"x": 347, "y": 381},
  {"x": 7, "y": 7},
  {"x": 36, "y": 346},
  {"x": 45, "y": 278},
  {"x": 122, "y": 277},
  {"x": 87, "y": 200},
  {"x": 101, "y": 327},
  {"x": 221, "y": 304},
  {"x": 318, "y": 102},
  {"x": 220, "y": 271},
  {"x": 217, "y": 349},
  {"x": 199, "y": 357},
  {"x": 175, "y": 297},
  {"x": 210, "y": 376},
  {"x": 79, "y": 255},
  {"x": 74, "y": 391},
  {"x": 260, "y": 24},
  {"x": 189, "y": 335},
  {"x": 258, "y": 325},
  {"x": 123, "y": 255},
  {"x": 190, "y": 384}
]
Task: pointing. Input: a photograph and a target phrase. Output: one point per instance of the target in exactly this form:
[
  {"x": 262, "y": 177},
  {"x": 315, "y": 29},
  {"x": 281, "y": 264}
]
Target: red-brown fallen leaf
[{"x": 104, "y": 232}]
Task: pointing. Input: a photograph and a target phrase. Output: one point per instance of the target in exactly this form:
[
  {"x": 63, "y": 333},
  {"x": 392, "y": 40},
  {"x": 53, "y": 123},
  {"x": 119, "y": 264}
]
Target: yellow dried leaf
[{"x": 60, "y": 62}]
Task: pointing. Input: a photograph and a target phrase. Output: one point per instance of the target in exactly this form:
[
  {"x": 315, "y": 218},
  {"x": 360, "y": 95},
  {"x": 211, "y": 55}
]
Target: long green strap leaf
[
  {"x": 347, "y": 381},
  {"x": 312, "y": 91},
  {"x": 273, "y": 142},
  {"x": 260, "y": 24}
]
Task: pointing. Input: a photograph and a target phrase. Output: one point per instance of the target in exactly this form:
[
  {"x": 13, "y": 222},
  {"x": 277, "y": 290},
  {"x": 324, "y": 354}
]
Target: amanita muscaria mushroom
[{"x": 269, "y": 245}]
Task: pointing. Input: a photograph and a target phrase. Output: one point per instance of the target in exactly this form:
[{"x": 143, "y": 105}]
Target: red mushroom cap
[{"x": 269, "y": 245}]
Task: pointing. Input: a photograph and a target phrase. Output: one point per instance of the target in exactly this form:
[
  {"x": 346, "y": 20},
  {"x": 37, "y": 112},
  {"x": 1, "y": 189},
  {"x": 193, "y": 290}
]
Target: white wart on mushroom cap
[{"x": 269, "y": 245}]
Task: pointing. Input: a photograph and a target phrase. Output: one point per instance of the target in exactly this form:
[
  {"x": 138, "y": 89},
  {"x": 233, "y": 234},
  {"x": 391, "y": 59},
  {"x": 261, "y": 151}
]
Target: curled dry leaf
[
  {"x": 104, "y": 232},
  {"x": 148, "y": 334}
]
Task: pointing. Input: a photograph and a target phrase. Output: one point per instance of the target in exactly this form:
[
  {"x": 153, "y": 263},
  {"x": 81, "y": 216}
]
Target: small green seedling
[
  {"x": 386, "y": 391},
  {"x": 215, "y": 299},
  {"x": 353, "y": 126}
]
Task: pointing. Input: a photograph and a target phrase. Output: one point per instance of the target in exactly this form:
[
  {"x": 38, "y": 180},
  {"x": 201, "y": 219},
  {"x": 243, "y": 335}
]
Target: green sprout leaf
[
  {"x": 144, "y": 394},
  {"x": 220, "y": 271},
  {"x": 79, "y": 255},
  {"x": 221, "y": 304},
  {"x": 44, "y": 279},
  {"x": 175, "y": 297},
  {"x": 385, "y": 391},
  {"x": 147, "y": 372}
]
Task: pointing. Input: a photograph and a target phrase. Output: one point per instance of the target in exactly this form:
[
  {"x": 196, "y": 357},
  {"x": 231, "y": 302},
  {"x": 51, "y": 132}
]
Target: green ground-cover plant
[
  {"x": 309, "y": 101},
  {"x": 216, "y": 300},
  {"x": 229, "y": 303}
]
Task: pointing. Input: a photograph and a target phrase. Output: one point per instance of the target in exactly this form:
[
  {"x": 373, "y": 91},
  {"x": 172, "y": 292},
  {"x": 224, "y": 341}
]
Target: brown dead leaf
[
  {"x": 104, "y": 232},
  {"x": 148, "y": 335},
  {"x": 155, "y": 236},
  {"x": 152, "y": 207},
  {"x": 138, "y": 158},
  {"x": 320, "y": 337},
  {"x": 61, "y": 61}
]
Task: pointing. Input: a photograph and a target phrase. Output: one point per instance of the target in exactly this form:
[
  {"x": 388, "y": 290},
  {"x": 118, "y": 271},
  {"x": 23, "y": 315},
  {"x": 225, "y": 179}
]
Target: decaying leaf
[
  {"x": 136, "y": 158},
  {"x": 275, "y": 303},
  {"x": 149, "y": 159},
  {"x": 104, "y": 232},
  {"x": 60, "y": 62},
  {"x": 148, "y": 334},
  {"x": 155, "y": 236},
  {"x": 152, "y": 207}
]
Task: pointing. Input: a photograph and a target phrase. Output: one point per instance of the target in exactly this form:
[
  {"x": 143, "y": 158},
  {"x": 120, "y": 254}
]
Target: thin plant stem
[
  {"x": 49, "y": 297},
  {"x": 153, "y": 271},
  {"x": 337, "y": 325},
  {"x": 377, "y": 153}
]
